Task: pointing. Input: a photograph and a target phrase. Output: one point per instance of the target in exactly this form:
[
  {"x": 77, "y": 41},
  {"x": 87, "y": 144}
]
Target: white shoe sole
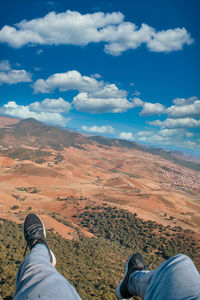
[{"x": 53, "y": 258}]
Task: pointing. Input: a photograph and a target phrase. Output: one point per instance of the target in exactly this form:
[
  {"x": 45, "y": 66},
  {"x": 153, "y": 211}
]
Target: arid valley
[{"x": 65, "y": 181}]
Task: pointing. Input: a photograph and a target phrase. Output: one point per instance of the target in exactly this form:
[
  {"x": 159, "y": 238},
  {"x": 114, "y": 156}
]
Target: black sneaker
[
  {"x": 135, "y": 262},
  {"x": 34, "y": 233}
]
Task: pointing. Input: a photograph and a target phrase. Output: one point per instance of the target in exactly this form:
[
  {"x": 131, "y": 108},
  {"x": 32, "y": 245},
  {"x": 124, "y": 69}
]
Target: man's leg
[
  {"x": 175, "y": 279},
  {"x": 38, "y": 279}
]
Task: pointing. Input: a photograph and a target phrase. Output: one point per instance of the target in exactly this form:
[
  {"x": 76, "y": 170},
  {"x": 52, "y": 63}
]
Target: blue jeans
[
  {"x": 175, "y": 279},
  {"x": 38, "y": 279}
]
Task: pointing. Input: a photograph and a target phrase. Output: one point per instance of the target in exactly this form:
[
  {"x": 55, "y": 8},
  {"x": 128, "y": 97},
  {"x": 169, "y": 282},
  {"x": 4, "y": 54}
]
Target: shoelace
[
  {"x": 29, "y": 232},
  {"x": 32, "y": 229}
]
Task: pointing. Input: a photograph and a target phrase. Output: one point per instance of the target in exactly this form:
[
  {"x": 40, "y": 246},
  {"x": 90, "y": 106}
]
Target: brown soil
[
  {"x": 128, "y": 179},
  {"x": 4, "y": 121}
]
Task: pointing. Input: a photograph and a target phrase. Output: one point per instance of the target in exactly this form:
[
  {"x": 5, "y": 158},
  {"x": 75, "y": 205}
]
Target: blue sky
[{"x": 125, "y": 69}]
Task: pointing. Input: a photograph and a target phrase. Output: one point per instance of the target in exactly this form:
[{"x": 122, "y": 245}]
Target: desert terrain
[{"x": 66, "y": 181}]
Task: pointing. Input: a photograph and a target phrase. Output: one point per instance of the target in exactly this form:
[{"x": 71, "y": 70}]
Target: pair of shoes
[
  {"x": 34, "y": 233},
  {"x": 135, "y": 262}
]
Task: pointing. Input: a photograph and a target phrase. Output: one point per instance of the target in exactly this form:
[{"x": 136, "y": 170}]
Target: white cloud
[
  {"x": 148, "y": 108},
  {"x": 108, "y": 91},
  {"x": 177, "y": 132},
  {"x": 18, "y": 38},
  {"x": 99, "y": 129},
  {"x": 21, "y": 111},
  {"x": 183, "y": 101},
  {"x": 11, "y": 76},
  {"x": 5, "y": 65},
  {"x": 177, "y": 123},
  {"x": 94, "y": 96},
  {"x": 152, "y": 109},
  {"x": 126, "y": 36},
  {"x": 96, "y": 75},
  {"x": 86, "y": 103},
  {"x": 169, "y": 137},
  {"x": 172, "y": 132},
  {"x": 169, "y": 40},
  {"x": 142, "y": 133},
  {"x": 137, "y": 102},
  {"x": 126, "y": 136},
  {"x": 156, "y": 123},
  {"x": 74, "y": 28},
  {"x": 51, "y": 105},
  {"x": 69, "y": 28},
  {"x": 184, "y": 108},
  {"x": 14, "y": 76},
  {"x": 71, "y": 80}
]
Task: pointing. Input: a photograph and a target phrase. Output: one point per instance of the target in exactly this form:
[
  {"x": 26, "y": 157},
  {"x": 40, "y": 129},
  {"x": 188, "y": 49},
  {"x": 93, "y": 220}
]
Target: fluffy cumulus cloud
[
  {"x": 51, "y": 105},
  {"x": 94, "y": 96},
  {"x": 177, "y": 123},
  {"x": 184, "y": 108},
  {"x": 169, "y": 40},
  {"x": 105, "y": 129},
  {"x": 148, "y": 108},
  {"x": 22, "y": 111},
  {"x": 184, "y": 113},
  {"x": 74, "y": 28},
  {"x": 174, "y": 132},
  {"x": 181, "y": 108},
  {"x": 71, "y": 80},
  {"x": 69, "y": 27},
  {"x": 178, "y": 137},
  {"x": 126, "y": 136},
  {"x": 86, "y": 103},
  {"x": 152, "y": 109},
  {"x": 12, "y": 76},
  {"x": 184, "y": 101}
]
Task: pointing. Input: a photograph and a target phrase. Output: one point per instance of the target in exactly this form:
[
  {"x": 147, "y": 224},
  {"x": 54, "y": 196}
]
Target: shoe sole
[{"x": 51, "y": 252}]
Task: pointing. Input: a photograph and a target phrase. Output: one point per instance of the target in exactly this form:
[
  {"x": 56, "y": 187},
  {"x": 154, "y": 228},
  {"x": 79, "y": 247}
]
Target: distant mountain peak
[
  {"x": 31, "y": 121},
  {"x": 29, "y": 124}
]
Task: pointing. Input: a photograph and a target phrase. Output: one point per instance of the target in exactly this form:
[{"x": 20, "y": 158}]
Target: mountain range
[{"x": 32, "y": 133}]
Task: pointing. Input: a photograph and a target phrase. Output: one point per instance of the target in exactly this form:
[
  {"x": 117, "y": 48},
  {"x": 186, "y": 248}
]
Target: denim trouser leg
[
  {"x": 175, "y": 279},
  {"x": 38, "y": 279}
]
